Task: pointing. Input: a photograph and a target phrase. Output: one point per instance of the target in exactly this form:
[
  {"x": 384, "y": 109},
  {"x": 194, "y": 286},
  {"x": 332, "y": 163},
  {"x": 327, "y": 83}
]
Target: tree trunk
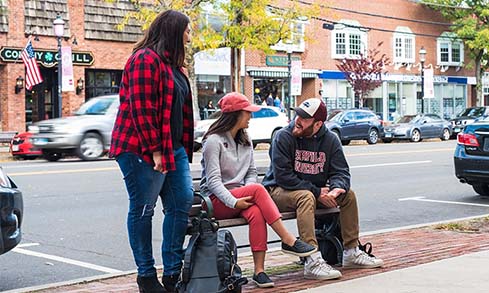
[
  {"x": 478, "y": 78},
  {"x": 233, "y": 69},
  {"x": 238, "y": 70}
]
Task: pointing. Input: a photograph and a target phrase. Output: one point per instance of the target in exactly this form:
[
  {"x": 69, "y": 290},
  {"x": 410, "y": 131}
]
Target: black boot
[
  {"x": 170, "y": 282},
  {"x": 150, "y": 285}
]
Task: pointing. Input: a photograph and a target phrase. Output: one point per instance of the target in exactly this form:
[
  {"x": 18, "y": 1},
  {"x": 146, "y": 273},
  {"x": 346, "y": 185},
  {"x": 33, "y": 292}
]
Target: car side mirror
[
  {"x": 346, "y": 120},
  {"x": 424, "y": 121}
]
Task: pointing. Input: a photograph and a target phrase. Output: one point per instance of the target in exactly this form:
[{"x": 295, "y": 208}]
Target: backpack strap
[
  {"x": 210, "y": 208},
  {"x": 189, "y": 253},
  {"x": 221, "y": 242}
]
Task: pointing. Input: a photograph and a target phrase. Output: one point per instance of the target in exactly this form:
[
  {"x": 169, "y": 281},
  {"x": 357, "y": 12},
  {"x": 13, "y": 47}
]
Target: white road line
[
  {"x": 391, "y": 164},
  {"x": 27, "y": 244},
  {"x": 420, "y": 198},
  {"x": 66, "y": 260}
]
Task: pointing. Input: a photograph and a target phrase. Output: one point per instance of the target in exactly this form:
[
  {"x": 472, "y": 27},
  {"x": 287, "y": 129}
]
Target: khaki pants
[{"x": 304, "y": 204}]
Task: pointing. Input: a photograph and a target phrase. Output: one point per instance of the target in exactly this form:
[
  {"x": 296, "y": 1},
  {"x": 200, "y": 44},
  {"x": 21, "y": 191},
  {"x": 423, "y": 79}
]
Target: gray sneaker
[
  {"x": 360, "y": 260},
  {"x": 317, "y": 269}
]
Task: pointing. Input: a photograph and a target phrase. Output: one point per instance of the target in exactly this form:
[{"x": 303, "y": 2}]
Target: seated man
[{"x": 308, "y": 169}]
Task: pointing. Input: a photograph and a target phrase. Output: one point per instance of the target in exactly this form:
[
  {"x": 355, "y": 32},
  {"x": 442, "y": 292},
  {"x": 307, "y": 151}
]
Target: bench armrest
[{"x": 208, "y": 203}]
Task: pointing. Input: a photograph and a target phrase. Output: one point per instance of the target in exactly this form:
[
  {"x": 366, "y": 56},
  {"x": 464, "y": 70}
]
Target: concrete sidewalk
[{"x": 438, "y": 258}]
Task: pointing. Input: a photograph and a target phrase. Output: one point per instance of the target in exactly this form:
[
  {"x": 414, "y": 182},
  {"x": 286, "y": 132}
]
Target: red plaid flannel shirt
[{"x": 142, "y": 125}]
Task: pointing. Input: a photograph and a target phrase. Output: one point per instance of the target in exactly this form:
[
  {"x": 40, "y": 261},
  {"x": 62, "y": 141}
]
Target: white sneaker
[
  {"x": 316, "y": 268},
  {"x": 360, "y": 259}
]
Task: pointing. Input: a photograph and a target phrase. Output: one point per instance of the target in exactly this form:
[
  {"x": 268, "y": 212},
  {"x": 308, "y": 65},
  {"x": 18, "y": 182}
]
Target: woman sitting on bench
[{"x": 229, "y": 178}]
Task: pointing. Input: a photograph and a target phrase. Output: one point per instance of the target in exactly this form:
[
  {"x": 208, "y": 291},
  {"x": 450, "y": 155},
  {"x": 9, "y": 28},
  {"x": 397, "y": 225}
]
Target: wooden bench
[
  {"x": 6, "y": 136},
  {"x": 197, "y": 211}
]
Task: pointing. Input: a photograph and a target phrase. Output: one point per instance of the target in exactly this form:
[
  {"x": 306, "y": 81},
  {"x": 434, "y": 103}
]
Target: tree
[
  {"x": 249, "y": 24},
  {"x": 470, "y": 20},
  {"x": 365, "y": 72},
  {"x": 253, "y": 24}
]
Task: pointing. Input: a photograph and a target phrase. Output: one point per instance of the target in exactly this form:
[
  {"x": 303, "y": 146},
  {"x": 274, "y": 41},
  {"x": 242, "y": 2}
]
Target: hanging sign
[
  {"x": 296, "y": 77},
  {"x": 67, "y": 83},
  {"x": 429, "y": 91}
]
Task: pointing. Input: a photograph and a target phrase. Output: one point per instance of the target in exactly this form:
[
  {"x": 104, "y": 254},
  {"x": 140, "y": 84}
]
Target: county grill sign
[{"x": 46, "y": 58}]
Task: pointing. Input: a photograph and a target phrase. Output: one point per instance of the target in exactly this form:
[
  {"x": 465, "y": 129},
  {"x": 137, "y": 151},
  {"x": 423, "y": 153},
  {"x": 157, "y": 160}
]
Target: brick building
[{"x": 100, "y": 52}]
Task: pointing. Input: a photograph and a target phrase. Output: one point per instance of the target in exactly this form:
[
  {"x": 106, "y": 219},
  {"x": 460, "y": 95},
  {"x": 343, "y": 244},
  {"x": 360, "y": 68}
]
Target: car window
[
  {"x": 360, "y": 116},
  {"x": 95, "y": 106},
  {"x": 407, "y": 119},
  {"x": 435, "y": 118},
  {"x": 350, "y": 116},
  {"x": 473, "y": 112},
  {"x": 215, "y": 115},
  {"x": 263, "y": 113}
]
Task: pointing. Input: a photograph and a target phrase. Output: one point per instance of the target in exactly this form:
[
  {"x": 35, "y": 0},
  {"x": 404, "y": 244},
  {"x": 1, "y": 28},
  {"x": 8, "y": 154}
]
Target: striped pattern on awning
[{"x": 279, "y": 74}]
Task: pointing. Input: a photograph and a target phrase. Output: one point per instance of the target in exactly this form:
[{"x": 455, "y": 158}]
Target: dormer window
[
  {"x": 348, "y": 40},
  {"x": 404, "y": 45},
  {"x": 297, "y": 29},
  {"x": 450, "y": 50}
]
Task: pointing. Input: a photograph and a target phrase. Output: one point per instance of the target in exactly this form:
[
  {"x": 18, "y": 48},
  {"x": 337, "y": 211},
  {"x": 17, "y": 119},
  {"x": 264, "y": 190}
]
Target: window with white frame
[
  {"x": 404, "y": 45},
  {"x": 348, "y": 41},
  {"x": 450, "y": 50},
  {"x": 297, "y": 44},
  {"x": 485, "y": 83}
]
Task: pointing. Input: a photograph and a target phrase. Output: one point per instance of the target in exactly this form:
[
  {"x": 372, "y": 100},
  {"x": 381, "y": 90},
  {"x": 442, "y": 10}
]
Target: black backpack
[
  {"x": 211, "y": 260},
  {"x": 328, "y": 235}
]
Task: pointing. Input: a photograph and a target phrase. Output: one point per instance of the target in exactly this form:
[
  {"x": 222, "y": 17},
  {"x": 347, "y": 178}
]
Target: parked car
[
  {"x": 21, "y": 147},
  {"x": 263, "y": 125},
  {"x": 355, "y": 124},
  {"x": 86, "y": 135},
  {"x": 417, "y": 127},
  {"x": 11, "y": 213},
  {"x": 472, "y": 156},
  {"x": 467, "y": 116}
]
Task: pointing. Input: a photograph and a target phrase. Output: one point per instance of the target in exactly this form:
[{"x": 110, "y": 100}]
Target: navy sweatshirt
[{"x": 308, "y": 163}]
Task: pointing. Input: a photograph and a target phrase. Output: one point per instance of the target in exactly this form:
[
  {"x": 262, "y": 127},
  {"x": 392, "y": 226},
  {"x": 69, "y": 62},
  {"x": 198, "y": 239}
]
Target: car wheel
[
  {"x": 373, "y": 136},
  {"x": 416, "y": 136},
  {"x": 51, "y": 156},
  {"x": 91, "y": 147},
  {"x": 345, "y": 142},
  {"x": 446, "y": 134},
  {"x": 386, "y": 140},
  {"x": 482, "y": 189}
]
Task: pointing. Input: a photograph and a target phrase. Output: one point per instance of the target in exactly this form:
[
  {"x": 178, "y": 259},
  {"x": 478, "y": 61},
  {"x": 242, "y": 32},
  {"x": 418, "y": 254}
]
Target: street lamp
[
  {"x": 59, "y": 28},
  {"x": 422, "y": 59},
  {"x": 289, "y": 76}
]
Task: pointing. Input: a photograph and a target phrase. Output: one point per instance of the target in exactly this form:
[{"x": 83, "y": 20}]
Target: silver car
[
  {"x": 417, "y": 127},
  {"x": 87, "y": 134}
]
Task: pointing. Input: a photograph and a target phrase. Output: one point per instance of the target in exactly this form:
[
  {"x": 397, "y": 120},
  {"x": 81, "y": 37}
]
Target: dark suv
[
  {"x": 11, "y": 210},
  {"x": 355, "y": 124},
  {"x": 467, "y": 116},
  {"x": 472, "y": 156}
]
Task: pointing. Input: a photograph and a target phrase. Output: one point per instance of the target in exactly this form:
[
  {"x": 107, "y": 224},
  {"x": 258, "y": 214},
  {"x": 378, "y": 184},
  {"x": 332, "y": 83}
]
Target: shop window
[
  {"x": 102, "y": 82},
  {"x": 450, "y": 51}
]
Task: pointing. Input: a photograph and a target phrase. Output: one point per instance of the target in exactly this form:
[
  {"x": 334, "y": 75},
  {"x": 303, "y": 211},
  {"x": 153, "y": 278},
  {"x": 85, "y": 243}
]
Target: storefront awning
[{"x": 279, "y": 72}]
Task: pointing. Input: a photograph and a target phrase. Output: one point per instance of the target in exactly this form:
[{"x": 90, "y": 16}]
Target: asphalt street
[{"x": 74, "y": 224}]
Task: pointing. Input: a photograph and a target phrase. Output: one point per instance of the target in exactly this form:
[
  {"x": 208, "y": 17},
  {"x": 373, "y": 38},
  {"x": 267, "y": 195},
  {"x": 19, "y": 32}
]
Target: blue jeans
[{"x": 175, "y": 188}]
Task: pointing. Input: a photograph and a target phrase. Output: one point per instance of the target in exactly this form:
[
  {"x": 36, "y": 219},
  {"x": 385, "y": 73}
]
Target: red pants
[{"x": 258, "y": 215}]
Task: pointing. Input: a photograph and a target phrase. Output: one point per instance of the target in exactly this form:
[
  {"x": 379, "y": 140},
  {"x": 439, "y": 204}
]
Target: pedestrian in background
[
  {"x": 308, "y": 170},
  {"x": 269, "y": 100},
  {"x": 152, "y": 142},
  {"x": 229, "y": 178}
]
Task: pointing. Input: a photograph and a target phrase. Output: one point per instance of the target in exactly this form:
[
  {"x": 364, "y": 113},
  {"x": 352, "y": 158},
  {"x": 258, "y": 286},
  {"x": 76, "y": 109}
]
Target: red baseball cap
[{"x": 234, "y": 101}]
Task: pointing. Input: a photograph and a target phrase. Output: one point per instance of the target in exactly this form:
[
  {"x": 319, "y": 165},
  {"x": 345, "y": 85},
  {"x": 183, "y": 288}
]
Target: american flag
[{"x": 33, "y": 76}]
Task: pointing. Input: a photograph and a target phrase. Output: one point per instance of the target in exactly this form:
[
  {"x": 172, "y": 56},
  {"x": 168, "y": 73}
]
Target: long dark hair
[
  {"x": 165, "y": 34},
  {"x": 225, "y": 123}
]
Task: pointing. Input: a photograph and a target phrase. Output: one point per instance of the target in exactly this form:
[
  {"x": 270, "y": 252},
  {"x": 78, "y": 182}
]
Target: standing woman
[
  {"x": 229, "y": 179},
  {"x": 152, "y": 143}
]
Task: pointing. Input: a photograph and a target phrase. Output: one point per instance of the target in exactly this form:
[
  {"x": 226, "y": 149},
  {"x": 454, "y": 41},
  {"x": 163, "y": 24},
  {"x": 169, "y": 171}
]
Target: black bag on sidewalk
[
  {"x": 328, "y": 235},
  {"x": 211, "y": 260}
]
